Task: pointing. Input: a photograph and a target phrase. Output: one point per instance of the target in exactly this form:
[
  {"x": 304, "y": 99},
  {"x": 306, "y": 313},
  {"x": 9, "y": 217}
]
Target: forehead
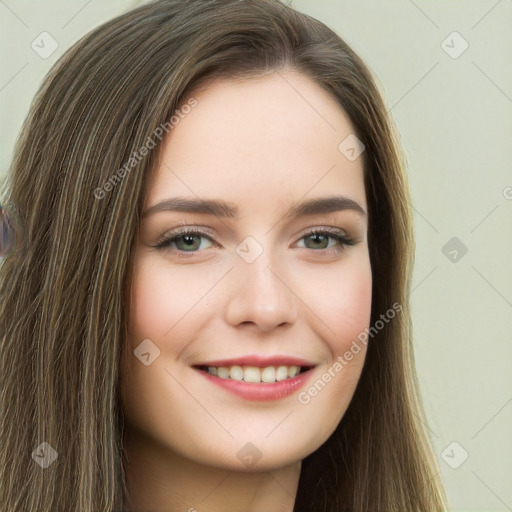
[{"x": 275, "y": 137}]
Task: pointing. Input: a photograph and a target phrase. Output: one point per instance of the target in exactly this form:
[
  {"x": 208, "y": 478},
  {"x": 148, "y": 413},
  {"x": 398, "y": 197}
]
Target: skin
[{"x": 264, "y": 144}]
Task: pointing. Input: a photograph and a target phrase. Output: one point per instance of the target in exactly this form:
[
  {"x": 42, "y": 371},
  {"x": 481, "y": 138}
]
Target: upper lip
[{"x": 259, "y": 361}]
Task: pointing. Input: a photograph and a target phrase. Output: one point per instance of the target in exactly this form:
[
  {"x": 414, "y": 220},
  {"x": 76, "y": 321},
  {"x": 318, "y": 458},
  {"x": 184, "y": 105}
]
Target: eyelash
[{"x": 167, "y": 239}]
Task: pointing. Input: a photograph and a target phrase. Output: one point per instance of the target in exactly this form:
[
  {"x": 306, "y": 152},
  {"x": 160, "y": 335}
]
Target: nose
[{"x": 262, "y": 294}]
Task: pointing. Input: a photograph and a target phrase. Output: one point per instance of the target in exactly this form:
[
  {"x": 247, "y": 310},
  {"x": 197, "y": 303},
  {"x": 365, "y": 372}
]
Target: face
[{"x": 242, "y": 315}]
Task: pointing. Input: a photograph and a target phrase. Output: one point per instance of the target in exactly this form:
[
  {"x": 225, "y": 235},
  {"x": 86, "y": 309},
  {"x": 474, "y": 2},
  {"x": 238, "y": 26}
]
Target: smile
[
  {"x": 257, "y": 378},
  {"x": 269, "y": 374}
]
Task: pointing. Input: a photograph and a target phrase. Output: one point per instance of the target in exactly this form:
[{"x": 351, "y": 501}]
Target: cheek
[
  {"x": 342, "y": 303},
  {"x": 345, "y": 309},
  {"x": 159, "y": 300},
  {"x": 155, "y": 311},
  {"x": 353, "y": 310},
  {"x": 148, "y": 304}
]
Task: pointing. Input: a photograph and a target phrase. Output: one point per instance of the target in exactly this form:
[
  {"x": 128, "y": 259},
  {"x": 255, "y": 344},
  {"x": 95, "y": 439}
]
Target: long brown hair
[{"x": 63, "y": 290}]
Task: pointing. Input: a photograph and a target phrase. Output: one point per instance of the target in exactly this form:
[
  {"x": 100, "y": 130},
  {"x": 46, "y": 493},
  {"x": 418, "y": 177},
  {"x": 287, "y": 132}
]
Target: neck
[{"x": 160, "y": 480}]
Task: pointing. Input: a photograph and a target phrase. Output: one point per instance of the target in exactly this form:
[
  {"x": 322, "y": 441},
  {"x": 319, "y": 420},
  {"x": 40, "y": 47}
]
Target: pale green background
[{"x": 455, "y": 119}]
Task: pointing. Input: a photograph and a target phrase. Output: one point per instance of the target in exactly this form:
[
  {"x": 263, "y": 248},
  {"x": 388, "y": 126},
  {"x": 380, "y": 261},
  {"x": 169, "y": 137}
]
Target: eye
[
  {"x": 320, "y": 237},
  {"x": 189, "y": 240}
]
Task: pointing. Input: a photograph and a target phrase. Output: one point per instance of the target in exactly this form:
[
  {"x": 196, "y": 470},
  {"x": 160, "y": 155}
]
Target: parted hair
[{"x": 63, "y": 289}]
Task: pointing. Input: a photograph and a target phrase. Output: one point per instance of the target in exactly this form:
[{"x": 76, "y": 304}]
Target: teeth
[
  {"x": 293, "y": 370},
  {"x": 252, "y": 374},
  {"x": 222, "y": 372},
  {"x": 236, "y": 373},
  {"x": 269, "y": 374},
  {"x": 281, "y": 373}
]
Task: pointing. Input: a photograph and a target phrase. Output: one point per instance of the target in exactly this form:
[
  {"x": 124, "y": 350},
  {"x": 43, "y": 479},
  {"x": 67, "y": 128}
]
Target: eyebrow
[{"x": 224, "y": 209}]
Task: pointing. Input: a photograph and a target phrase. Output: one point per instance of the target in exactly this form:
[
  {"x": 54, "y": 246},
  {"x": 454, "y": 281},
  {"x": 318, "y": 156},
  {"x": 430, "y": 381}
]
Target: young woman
[{"x": 206, "y": 304}]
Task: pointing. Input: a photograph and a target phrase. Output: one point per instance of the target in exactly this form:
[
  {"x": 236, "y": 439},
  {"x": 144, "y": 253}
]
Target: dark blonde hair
[{"x": 64, "y": 289}]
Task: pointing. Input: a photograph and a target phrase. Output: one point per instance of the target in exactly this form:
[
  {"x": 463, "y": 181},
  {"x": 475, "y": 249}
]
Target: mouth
[
  {"x": 257, "y": 378},
  {"x": 255, "y": 374}
]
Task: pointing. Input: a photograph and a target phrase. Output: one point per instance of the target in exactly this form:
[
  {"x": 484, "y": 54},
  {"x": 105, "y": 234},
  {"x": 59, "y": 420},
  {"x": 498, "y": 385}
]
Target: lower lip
[{"x": 263, "y": 392}]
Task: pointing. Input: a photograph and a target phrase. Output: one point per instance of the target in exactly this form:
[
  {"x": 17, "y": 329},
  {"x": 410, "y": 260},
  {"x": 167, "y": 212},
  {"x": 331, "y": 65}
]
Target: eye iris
[
  {"x": 189, "y": 241},
  {"x": 318, "y": 236}
]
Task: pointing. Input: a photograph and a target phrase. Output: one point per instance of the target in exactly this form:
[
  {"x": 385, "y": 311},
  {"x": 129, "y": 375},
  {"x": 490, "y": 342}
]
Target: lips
[
  {"x": 257, "y": 377},
  {"x": 259, "y": 361}
]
